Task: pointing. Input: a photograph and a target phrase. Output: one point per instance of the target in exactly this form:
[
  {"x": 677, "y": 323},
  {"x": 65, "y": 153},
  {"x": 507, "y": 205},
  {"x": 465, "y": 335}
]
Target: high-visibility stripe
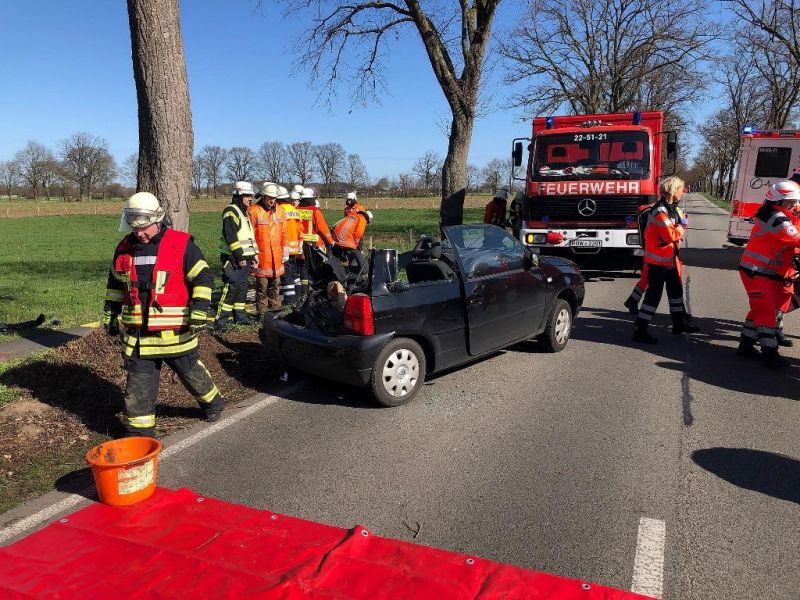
[
  {"x": 208, "y": 396},
  {"x": 661, "y": 259},
  {"x": 199, "y": 315},
  {"x": 231, "y": 215},
  {"x": 176, "y": 349},
  {"x": 144, "y": 260},
  {"x": 196, "y": 269},
  {"x": 239, "y": 306},
  {"x": 141, "y": 422},
  {"x": 114, "y": 295},
  {"x": 756, "y": 256},
  {"x": 201, "y": 292},
  {"x": 235, "y": 245}
]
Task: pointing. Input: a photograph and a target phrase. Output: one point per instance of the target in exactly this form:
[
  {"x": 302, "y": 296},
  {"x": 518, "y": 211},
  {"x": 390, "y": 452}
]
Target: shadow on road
[
  {"x": 712, "y": 258},
  {"x": 771, "y": 474},
  {"x": 706, "y": 360}
]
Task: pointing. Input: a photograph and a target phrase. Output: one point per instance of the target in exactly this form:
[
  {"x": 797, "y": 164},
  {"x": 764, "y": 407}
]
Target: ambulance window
[{"x": 773, "y": 162}]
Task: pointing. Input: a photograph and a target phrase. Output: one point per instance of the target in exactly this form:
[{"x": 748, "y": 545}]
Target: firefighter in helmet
[
  {"x": 158, "y": 295},
  {"x": 269, "y": 224},
  {"x": 767, "y": 269},
  {"x": 315, "y": 229},
  {"x": 290, "y": 280},
  {"x": 349, "y": 231},
  {"x": 239, "y": 256}
]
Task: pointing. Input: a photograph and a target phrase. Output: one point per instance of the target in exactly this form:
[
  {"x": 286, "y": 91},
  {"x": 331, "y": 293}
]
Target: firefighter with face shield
[
  {"x": 767, "y": 271},
  {"x": 239, "y": 256},
  {"x": 158, "y": 295}
]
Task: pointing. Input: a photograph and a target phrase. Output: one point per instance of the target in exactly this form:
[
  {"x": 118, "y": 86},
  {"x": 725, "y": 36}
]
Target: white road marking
[
  {"x": 648, "y": 566},
  {"x": 59, "y": 507}
]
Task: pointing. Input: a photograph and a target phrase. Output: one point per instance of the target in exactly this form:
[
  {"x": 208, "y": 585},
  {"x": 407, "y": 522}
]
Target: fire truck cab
[{"x": 765, "y": 157}]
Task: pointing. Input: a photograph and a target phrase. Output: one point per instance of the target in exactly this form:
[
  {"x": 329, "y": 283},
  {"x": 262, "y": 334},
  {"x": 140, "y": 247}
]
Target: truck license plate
[{"x": 586, "y": 243}]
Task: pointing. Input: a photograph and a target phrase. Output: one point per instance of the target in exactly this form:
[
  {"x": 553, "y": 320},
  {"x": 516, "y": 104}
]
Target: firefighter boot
[
  {"x": 240, "y": 317},
  {"x": 747, "y": 348},
  {"x": 632, "y": 305},
  {"x": 640, "y": 333},
  {"x": 681, "y": 323},
  {"x": 772, "y": 359},
  {"x": 783, "y": 340}
]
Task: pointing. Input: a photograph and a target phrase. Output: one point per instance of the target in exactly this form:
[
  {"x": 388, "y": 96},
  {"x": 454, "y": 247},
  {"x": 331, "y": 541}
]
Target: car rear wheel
[
  {"x": 559, "y": 327},
  {"x": 398, "y": 372}
]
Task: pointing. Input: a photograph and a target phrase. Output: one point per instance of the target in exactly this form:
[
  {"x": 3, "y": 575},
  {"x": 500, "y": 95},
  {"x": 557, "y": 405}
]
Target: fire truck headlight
[
  {"x": 632, "y": 239},
  {"x": 538, "y": 238}
]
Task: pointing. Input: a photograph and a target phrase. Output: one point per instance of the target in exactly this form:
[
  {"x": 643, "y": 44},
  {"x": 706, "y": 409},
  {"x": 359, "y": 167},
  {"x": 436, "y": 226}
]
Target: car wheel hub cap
[
  {"x": 400, "y": 372},
  {"x": 563, "y": 325}
]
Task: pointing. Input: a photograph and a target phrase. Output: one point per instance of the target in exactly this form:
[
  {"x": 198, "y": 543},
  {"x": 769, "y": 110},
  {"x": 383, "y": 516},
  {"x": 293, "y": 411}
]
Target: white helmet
[
  {"x": 369, "y": 216},
  {"x": 297, "y": 188},
  {"x": 271, "y": 190},
  {"x": 783, "y": 190},
  {"x": 295, "y": 195},
  {"x": 351, "y": 196},
  {"x": 243, "y": 188},
  {"x": 307, "y": 193},
  {"x": 141, "y": 210},
  {"x": 283, "y": 193}
]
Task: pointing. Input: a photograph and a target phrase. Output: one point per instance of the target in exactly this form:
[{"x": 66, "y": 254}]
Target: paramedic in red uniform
[
  {"x": 662, "y": 236},
  {"x": 766, "y": 269}
]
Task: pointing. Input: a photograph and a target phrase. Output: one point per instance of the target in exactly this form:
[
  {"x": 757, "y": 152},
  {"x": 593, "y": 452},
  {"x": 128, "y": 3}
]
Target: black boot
[
  {"x": 747, "y": 348},
  {"x": 783, "y": 340},
  {"x": 640, "y": 333},
  {"x": 240, "y": 317},
  {"x": 632, "y": 305},
  {"x": 772, "y": 359},
  {"x": 681, "y": 324}
]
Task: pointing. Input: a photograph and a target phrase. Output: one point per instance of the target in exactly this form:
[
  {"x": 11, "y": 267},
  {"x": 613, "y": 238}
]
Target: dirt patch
[{"x": 72, "y": 399}]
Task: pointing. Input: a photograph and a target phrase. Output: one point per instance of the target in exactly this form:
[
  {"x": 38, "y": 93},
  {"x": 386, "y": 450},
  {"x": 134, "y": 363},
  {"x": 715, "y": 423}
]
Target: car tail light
[{"x": 358, "y": 315}]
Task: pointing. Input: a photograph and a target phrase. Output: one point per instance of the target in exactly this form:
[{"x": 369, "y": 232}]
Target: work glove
[
  {"x": 111, "y": 324},
  {"x": 684, "y": 221}
]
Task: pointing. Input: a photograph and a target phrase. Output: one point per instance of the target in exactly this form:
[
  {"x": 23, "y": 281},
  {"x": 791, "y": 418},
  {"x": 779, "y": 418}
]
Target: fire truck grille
[{"x": 582, "y": 208}]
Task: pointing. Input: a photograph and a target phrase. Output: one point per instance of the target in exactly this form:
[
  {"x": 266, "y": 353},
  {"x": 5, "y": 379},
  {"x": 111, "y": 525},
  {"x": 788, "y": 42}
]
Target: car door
[{"x": 505, "y": 299}]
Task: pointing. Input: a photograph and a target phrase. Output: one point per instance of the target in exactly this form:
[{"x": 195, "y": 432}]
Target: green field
[
  {"x": 58, "y": 265},
  {"x": 721, "y": 202}
]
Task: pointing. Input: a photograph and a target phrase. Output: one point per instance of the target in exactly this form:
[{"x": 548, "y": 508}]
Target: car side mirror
[
  {"x": 672, "y": 145},
  {"x": 517, "y": 154}
]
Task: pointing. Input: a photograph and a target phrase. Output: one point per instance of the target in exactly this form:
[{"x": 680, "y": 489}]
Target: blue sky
[{"x": 65, "y": 67}]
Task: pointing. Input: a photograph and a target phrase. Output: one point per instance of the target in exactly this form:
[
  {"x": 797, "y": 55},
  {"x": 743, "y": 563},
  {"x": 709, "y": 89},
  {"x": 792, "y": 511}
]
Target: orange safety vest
[
  {"x": 270, "y": 230},
  {"x": 772, "y": 244},
  {"x": 349, "y": 231},
  {"x": 294, "y": 231},
  {"x": 661, "y": 238},
  {"x": 168, "y": 307}
]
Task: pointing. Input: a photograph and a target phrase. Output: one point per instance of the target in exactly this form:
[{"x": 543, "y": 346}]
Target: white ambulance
[{"x": 765, "y": 157}]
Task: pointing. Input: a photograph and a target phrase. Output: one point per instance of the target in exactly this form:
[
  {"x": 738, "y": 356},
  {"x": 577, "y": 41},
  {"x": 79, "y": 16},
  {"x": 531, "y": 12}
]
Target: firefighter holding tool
[{"x": 158, "y": 295}]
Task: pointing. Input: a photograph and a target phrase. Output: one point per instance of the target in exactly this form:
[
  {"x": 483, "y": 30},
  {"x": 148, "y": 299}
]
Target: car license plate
[{"x": 586, "y": 243}]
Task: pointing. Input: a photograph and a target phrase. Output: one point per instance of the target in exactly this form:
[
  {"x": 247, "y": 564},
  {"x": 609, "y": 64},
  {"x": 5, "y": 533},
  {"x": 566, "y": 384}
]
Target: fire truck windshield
[{"x": 591, "y": 155}]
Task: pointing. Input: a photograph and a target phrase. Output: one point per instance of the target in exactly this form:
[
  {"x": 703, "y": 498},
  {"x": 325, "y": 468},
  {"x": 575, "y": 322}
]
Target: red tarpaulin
[{"x": 179, "y": 544}]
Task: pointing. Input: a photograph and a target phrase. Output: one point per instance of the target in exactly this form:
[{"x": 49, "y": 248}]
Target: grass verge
[{"x": 721, "y": 202}]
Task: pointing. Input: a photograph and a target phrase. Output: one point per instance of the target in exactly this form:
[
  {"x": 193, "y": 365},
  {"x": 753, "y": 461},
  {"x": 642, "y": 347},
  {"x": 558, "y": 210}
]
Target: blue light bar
[
  {"x": 637, "y": 118},
  {"x": 545, "y": 219},
  {"x": 748, "y": 129},
  {"x": 549, "y": 122}
]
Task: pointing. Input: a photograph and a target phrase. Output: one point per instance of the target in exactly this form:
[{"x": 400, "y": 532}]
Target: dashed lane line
[
  {"x": 648, "y": 566},
  {"x": 47, "y": 513}
]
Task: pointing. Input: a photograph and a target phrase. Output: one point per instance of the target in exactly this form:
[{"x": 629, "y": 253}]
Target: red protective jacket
[
  {"x": 772, "y": 244},
  {"x": 662, "y": 237}
]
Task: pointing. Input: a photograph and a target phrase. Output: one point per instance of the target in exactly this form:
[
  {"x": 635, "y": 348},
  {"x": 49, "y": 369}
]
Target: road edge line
[
  {"x": 648, "y": 565},
  {"x": 31, "y": 521}
]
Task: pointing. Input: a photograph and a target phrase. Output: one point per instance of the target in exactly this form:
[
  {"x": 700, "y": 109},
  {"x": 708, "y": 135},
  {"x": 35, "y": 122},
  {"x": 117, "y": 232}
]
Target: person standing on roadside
[
  {"x": 662, "y": 236},
  {"x": 158, "y": 296},
  {"x": 239, "y": 256},
  {"x": 269, "y": 223},
  {"x": 767, "y": 270},
  {"x": 290, "y": 280}
]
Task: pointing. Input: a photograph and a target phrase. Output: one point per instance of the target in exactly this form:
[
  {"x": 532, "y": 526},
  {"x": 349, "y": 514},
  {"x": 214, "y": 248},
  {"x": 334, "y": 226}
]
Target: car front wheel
[
  {"x": 559, "y": 327},
  {"x": 398, "y": 372}
]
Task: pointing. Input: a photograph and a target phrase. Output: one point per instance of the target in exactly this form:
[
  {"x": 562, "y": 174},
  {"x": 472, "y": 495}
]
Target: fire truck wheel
[
  {"x": 559, "y": 327},
  {"x": 398, "y": 372}
]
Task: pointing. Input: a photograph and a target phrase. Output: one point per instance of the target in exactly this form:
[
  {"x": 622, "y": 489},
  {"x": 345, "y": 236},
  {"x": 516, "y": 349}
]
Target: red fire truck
[
  {"x": 586, "y": 178},
  {"x": 765, "y": 157}
]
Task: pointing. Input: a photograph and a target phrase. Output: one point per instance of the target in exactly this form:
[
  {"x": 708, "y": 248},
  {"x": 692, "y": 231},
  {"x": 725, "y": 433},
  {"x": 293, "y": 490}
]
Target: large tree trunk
[
  {"x": 166, "y": 140},
  {"x": 454, "y": 171}
]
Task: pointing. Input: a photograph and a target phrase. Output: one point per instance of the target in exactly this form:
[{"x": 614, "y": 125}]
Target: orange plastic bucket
[{"x": 125, "y": 470}]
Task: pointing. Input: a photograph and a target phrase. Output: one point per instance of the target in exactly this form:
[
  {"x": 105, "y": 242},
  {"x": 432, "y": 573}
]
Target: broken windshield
[{"x": 592, "y": 155}]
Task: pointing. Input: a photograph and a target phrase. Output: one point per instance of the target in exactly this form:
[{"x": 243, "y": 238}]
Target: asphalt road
[{"x": 575, "y": 463}]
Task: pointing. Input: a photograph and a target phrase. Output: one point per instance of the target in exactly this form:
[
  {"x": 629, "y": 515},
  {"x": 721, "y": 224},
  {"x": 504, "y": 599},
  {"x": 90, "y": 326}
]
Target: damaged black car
[{"x": 476, "y": 291}]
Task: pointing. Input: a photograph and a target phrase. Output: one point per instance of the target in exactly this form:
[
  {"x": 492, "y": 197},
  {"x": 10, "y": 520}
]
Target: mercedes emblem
[{"x": 587, "y": 207}]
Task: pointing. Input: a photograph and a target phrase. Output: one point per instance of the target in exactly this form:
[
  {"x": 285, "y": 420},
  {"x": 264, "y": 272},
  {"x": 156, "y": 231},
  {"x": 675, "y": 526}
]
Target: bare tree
[
  {"x": 496, "y": 173},
  {"x": 129, "y": 170},
  {"x": 300, "y": 161},
  {"x": 455, "y": 36},
  {"x": 33, "y": 161},
  {"x": 473, "y": 177},
  {"x": 779, "y": 19},
  {"x": 198, "y": 175},
  {"x": 9, "y": 175},
  {"x": 272, "y": 161},
  {"x": 87, "y": 163},
  {"x": 405, "y": 181},
  {"x": 330, "y": 159},
  {"x": 599, "y": 56},
  {"x": 52, "y": 177},
  {"x": 779, "y": 74},
  {"x": 213, "y": 159},
  {"x": 240, "y": 164},
  {"x": 427, "y": 170},
  {"x": 166, "y": 139},
  {"x": 356, "y": 172}
]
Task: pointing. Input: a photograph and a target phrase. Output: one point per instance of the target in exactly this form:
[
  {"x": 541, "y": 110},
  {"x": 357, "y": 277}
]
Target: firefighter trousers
[
  {"x": 766, "y": 297},
  {"x": 234, "y": 293},
  {"x": 268, "y": 294},
  {"x": 290, "y": 281},
  {"x": 641, "y": 286},
  {"x": 142, "y": 389},
  {"x": 657, "y": 278}
]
